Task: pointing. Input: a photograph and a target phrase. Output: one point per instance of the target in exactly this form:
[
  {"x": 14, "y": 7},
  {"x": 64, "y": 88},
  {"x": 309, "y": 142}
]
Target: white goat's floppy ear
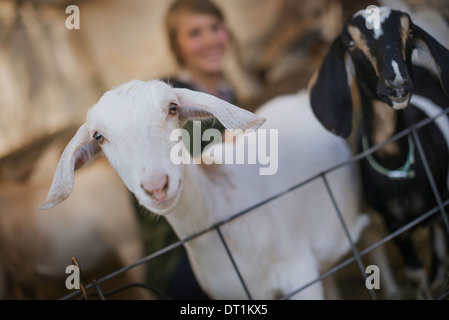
[
  {"x": 440, "y": 55},
  {"x": 78, "y": 152},
  {"x": 194, "y": 105},
  {"x": 330, "y": 94}
]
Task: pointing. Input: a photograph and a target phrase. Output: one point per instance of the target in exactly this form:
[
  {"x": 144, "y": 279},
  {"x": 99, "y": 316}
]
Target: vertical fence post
[
  {"x": 234, "y": 264},
  {"x": 97, "y": 288},
  {"x": 343, "y": 223},
  {"x": 430, "y": 178}
]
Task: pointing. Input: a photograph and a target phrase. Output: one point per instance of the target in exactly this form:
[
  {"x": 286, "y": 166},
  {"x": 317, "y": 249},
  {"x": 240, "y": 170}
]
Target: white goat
[
  {"x": 97, "y": 225},
  {"x": 278, "y": 247}
]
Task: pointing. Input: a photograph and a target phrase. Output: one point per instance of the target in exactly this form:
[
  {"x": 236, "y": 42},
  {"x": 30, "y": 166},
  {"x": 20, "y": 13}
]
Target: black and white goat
[{"x": 394, "y": 94}]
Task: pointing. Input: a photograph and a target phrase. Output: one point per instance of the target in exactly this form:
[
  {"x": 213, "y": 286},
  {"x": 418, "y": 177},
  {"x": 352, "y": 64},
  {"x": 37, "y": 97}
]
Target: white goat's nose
[{"x": 156, "y": 186}]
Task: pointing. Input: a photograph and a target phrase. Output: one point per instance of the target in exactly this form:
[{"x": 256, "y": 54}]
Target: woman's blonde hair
[{"x": 191, "y": 6}]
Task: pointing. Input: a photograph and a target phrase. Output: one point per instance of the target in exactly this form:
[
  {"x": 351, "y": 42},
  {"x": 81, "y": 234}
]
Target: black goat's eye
[
  {"x": 173, "y": 109},
  {"x": 99, "y": 137}
]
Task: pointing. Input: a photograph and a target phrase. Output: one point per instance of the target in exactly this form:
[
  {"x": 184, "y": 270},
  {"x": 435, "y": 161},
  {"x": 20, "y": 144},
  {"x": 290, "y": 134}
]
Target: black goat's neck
[{"x": 381, "y": 122}]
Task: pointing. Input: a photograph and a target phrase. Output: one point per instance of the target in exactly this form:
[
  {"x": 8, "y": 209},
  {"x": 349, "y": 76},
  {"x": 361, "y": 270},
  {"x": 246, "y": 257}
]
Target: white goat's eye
[
  {"x": 173, "y": 109},
  {"x": 99, "y": 137},
  {"x": 351, "y": 44}
]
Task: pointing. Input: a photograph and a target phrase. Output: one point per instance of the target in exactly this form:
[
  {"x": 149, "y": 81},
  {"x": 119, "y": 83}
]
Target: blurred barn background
[{"x": 50, "y": 76}]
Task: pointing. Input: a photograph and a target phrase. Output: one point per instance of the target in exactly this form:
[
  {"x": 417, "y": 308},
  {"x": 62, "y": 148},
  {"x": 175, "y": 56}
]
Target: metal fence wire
[{"x": 354, "y": 257}]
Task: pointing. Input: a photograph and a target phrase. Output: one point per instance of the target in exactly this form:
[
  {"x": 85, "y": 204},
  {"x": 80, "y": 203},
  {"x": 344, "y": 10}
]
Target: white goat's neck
[{"x": 200, "y": 204}]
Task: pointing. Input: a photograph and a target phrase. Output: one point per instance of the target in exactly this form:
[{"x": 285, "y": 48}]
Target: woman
[{"x": 199, "y": 40}]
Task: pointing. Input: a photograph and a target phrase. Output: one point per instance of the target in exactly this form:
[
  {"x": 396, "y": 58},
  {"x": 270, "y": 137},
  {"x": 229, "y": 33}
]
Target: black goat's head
[{"x": 379, "y": 59}]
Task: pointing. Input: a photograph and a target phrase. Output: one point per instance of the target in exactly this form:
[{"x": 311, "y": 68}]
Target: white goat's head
[{"x": 131, "y": 125}]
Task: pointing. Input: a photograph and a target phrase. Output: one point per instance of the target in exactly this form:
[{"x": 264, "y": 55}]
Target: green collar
[{"x": 403, "y": 172}]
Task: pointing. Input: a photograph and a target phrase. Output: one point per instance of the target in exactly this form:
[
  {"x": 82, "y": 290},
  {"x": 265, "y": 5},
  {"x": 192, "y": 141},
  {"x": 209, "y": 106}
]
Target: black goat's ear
[
  {"x": 427, "y": 44},
  {"x": 330, "y": 94}
]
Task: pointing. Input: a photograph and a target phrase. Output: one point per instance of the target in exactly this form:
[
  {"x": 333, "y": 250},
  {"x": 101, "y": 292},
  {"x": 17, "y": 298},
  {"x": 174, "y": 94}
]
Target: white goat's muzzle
[{"x": 159, "y": 194}]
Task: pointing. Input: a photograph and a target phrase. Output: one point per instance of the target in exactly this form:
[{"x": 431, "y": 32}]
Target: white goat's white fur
[{"x": 277, "y": 247}]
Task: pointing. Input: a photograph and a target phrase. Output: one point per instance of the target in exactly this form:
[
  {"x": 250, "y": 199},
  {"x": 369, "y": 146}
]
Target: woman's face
[{"x": 202, "y": 41}]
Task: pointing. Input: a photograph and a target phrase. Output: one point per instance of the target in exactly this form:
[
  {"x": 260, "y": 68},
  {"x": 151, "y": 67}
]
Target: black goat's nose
[{"x": 396, "y": 84}]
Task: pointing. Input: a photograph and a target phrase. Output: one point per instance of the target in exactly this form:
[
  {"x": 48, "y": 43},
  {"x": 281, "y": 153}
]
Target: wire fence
[{"x": 356, "y": 254}]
